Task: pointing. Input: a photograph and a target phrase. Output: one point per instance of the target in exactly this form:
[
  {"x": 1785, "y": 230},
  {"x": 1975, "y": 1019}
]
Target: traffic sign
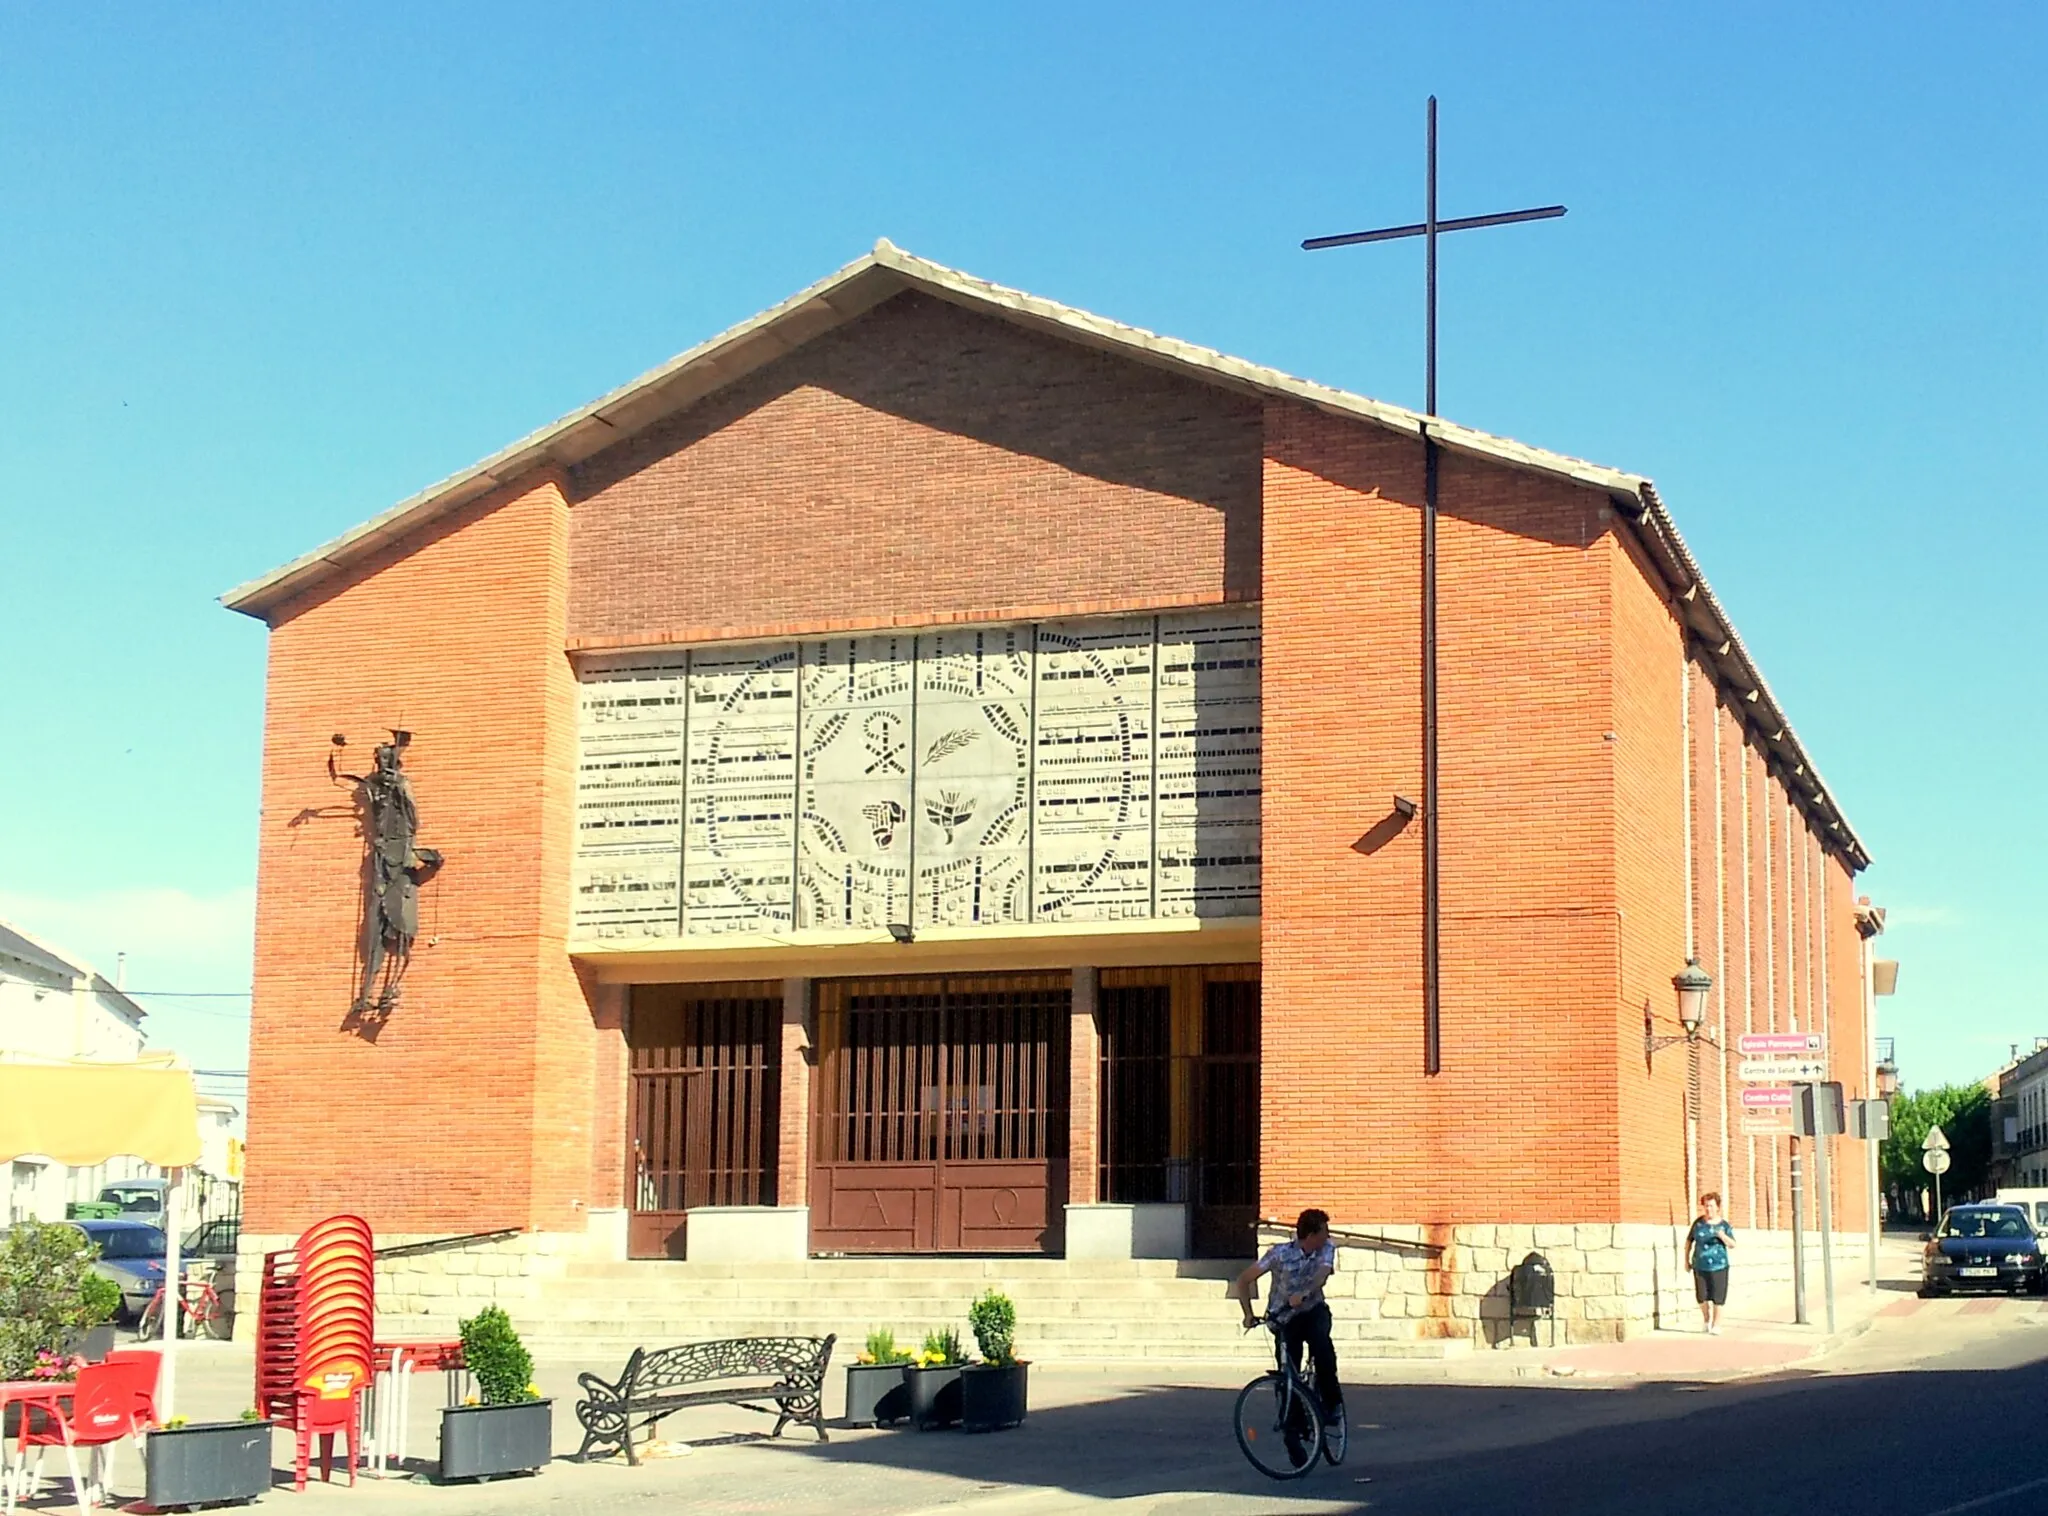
[
  {"x": 1935, "y": 1160},
  {"x": 1767, "y": 1070},
  {"x": 1767, "y": 1099},
  {"x": 1936, "y": 1141},
  {"x": 1797, "y": 1044}
]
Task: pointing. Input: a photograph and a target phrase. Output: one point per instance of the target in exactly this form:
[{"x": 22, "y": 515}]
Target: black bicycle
[{"x": 1280, "y": 1420}]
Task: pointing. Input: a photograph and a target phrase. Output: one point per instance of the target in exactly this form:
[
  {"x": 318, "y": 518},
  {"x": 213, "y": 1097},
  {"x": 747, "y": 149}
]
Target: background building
[
  {"x": 53, "y": 1004},
  {"x": 933, "y": 770}
]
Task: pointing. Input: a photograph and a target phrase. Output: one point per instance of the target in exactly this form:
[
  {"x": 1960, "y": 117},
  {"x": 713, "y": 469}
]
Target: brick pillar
[
  {"x": 608, "y": 1137},
  {"x": 1084, "y": 1058},
  {"x": 793, "y": 1140}
]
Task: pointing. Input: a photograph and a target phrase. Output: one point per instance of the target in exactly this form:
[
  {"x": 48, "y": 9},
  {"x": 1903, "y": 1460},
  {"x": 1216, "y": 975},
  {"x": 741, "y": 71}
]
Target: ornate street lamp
[{"x": 1692, "y": 984}]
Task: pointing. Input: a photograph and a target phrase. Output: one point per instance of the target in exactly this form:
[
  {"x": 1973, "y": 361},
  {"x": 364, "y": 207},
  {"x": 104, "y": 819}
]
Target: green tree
[{"x": 1963, "y": 1112}]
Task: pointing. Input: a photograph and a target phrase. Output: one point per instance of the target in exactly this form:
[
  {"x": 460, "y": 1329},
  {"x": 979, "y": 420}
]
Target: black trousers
[{"x": 1312, "y": 1327}]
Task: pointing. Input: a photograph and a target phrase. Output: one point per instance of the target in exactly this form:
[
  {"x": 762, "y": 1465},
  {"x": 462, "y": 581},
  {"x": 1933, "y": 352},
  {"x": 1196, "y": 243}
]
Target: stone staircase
[{"x": 1068, "y": 1311}]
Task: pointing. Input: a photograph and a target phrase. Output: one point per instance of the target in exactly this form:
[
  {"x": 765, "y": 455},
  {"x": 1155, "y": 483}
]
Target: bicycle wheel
[
  {"x": 1336, "y": 1434},
  {"x": 151, "y": 1322},
  {"x": 1277, "y": 1427},
  {"x": 213, "y": 1318}
]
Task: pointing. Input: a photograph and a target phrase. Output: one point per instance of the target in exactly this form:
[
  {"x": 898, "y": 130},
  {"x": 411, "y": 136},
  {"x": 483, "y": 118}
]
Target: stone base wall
[
  {"x": 429, "y": 1293},
  {"x": 1613, "y": 1280}
]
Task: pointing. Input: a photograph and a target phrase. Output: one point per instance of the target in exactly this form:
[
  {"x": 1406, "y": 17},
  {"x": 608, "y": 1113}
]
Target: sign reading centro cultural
[{"x": 1091, "y": 770}]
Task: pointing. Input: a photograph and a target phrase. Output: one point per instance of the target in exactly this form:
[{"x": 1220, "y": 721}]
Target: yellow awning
[{"x": 85, "y": 1113}]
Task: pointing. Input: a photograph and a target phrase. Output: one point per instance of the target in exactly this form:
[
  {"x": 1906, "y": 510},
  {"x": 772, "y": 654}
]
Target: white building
[{"x": 53, "y": 1004}]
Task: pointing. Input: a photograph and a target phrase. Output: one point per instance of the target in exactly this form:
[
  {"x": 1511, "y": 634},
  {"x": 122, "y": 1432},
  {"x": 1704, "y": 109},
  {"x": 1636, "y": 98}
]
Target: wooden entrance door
[
  {"x": 941, "y": 1119},
  {"x": 706, "y": 1068}
]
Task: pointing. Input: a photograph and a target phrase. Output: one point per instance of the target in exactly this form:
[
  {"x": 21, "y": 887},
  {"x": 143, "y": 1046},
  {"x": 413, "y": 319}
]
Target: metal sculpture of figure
[{"x": 393, "y": 873}]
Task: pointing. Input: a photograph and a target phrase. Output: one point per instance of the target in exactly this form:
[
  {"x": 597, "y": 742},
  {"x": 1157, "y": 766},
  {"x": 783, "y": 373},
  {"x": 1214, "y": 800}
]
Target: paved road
[
  {"x": 1940, "y": 1410},
  {"x": 1940, "y": 1405}
]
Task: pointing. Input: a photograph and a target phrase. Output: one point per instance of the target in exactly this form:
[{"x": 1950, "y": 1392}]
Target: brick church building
[{"x": 932, "y": 770}]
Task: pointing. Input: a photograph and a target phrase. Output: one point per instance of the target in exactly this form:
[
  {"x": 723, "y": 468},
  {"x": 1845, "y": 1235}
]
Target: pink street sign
[
  {"x": 1751, "y": 1043},
  {"x": 1767, "y": 1097}
]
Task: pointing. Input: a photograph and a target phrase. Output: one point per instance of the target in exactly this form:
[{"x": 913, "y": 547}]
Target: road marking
[
  {"x": 1979, "y": 1308},
  {"x": 1992, "y": 1499}
]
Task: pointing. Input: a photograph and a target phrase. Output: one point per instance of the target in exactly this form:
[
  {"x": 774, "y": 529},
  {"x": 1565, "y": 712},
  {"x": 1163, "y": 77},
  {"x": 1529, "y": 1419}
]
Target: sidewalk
[{"x": 1758, "y": 1332}]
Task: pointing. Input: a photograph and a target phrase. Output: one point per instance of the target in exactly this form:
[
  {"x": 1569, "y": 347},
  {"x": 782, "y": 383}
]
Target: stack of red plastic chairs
[{"x": 313, "y": 1338}]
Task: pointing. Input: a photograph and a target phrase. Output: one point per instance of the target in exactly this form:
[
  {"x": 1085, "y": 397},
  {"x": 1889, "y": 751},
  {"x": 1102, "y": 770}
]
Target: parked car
[
  {"x": 132, "y": 1255},
  {"x": 217, "y": 1239},
  {"x": 1986, "y": 1246},
  {"x": 142, "y": 1198}
]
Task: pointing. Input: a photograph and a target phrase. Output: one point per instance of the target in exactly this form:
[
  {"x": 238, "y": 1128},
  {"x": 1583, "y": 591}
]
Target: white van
[{"x": 2035, "y": 1202}]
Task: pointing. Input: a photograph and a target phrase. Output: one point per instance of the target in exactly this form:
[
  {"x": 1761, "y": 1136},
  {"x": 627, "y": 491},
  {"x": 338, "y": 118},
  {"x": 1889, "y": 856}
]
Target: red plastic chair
[{"x": 105, "y": 1407}]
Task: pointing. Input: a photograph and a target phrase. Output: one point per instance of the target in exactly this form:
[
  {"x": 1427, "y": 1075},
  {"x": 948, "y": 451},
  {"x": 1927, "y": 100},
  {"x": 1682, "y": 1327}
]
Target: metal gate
[
  {"x": 705, "y": 1076},
  {"x": 941, "y": 1120},
  {"x": 1179, "y": 1093}
]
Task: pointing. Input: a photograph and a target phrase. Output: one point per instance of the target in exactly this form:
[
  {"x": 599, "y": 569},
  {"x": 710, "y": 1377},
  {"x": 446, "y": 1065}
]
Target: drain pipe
[{"x": 1432, "y": 1040}]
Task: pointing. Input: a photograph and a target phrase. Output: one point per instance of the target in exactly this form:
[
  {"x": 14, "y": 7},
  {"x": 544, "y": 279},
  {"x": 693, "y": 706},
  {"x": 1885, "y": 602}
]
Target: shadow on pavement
[{"x": 1913, "y": 1444}]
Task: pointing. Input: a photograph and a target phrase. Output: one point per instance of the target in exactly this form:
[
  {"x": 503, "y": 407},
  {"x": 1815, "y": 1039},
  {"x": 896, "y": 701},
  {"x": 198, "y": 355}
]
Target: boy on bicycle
[{"x": 1299, "y": 1269}]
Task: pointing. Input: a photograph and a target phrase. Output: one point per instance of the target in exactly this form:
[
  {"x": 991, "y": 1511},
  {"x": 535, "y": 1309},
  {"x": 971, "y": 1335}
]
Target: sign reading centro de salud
[{"x": 1096, "y": 770}]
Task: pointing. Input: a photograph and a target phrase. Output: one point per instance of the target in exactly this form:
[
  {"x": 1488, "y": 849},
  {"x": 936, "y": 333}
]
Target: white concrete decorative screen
[{"x": 1089, "y": 770}]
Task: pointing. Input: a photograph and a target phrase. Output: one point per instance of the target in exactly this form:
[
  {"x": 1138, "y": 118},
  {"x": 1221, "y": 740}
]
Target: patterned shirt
[
  {"x": 1709, "y": 1252},
  {"x": 1293, "y": 1269}
]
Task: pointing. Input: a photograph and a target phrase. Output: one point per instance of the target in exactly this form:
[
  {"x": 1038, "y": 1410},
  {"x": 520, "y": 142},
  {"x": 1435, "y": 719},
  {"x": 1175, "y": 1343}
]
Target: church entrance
[
  {"x": 1180, "y": 1098},
  {"x": 705, "y": 1069},
  {"x": 941, "y": 1120}
]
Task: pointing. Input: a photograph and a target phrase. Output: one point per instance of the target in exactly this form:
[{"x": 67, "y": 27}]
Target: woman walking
[{"x": 1706, "y": 1254}]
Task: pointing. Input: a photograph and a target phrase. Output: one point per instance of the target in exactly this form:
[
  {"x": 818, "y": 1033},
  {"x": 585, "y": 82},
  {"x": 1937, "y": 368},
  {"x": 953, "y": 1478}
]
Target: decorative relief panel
[
  {"x": 627, "y": 869},
  {"x": 1092, "y": 816},
  {"x": 973, "y": 821},
  {"x": 1091, "y": 770},
  {"x": 1206, "y": 848},
  {"x": 739, "y": 791},
  {"x": 854, "y": 838}
]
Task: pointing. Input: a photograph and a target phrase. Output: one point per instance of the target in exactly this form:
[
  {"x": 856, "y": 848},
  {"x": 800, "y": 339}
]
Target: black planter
[
  {"x": 481, "y": 1441},
  {"x": 94, "y": 1344},
  {"x": 934, "y": 1397},
  {"x": 207, "y": 1464},
  {"x": 992, "y": 1398},
  {"x": 876, "y": 1394}
]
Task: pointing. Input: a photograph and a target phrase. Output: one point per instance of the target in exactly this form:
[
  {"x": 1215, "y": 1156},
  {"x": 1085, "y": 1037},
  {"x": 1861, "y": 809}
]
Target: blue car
[
  {"x": 1983, "y": 1247},
  {"x": 132, "y": 1255}
]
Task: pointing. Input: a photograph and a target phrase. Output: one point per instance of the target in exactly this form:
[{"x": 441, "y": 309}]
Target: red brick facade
[{"x": 1601, "y": 815}]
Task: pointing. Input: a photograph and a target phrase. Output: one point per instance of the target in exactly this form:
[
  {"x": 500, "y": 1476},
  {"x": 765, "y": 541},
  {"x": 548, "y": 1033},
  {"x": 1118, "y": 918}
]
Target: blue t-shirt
[{"x": 1709, "y": 1251}]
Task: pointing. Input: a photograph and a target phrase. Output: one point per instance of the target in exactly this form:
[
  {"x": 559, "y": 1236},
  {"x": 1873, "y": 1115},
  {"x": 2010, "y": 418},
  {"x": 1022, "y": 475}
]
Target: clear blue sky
[{"x": 265, "y": 270}]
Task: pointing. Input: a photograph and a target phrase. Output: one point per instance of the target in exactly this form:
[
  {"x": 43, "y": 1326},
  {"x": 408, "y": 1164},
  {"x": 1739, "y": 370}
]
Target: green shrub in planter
[
  {"x": 208, "y": 1463},
  {"x": 44, "y": 1299},
  {"x": 993, "y": 1392},
  {"x": 512, "y": 1431},
  {"x": 934, "y": 1381},
  {"x": 876, "y": 1393}
]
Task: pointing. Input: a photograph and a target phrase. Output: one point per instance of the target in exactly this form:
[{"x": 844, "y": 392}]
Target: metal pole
[
  {"x": 1798, "y": 1242},
  {"x": 1873, "y": 1146},
  {"x": 1432, "y": 1038},
  {"x": 1821, "y": 1160}
]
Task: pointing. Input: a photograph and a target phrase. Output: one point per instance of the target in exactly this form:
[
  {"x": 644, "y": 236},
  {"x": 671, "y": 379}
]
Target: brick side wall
[
  {"x": 919, "y": 463},
  {"x": 471, "y": 1107},
  {"x": 1350, "y": 1121},
  {"x": 1650, "y": 831}
]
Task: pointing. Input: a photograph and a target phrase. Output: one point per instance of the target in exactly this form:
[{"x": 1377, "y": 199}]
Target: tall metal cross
[{"x": 1429, "y": 228}]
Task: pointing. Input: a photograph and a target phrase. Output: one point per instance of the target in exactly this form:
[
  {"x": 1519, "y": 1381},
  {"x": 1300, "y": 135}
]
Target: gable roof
[
  {"x": 33, "y": 951},
  {"x": 888, "y": 271}
]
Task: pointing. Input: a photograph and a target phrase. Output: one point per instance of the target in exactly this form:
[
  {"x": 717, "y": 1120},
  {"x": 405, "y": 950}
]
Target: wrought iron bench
[{"x": 787, "y": 1370}]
